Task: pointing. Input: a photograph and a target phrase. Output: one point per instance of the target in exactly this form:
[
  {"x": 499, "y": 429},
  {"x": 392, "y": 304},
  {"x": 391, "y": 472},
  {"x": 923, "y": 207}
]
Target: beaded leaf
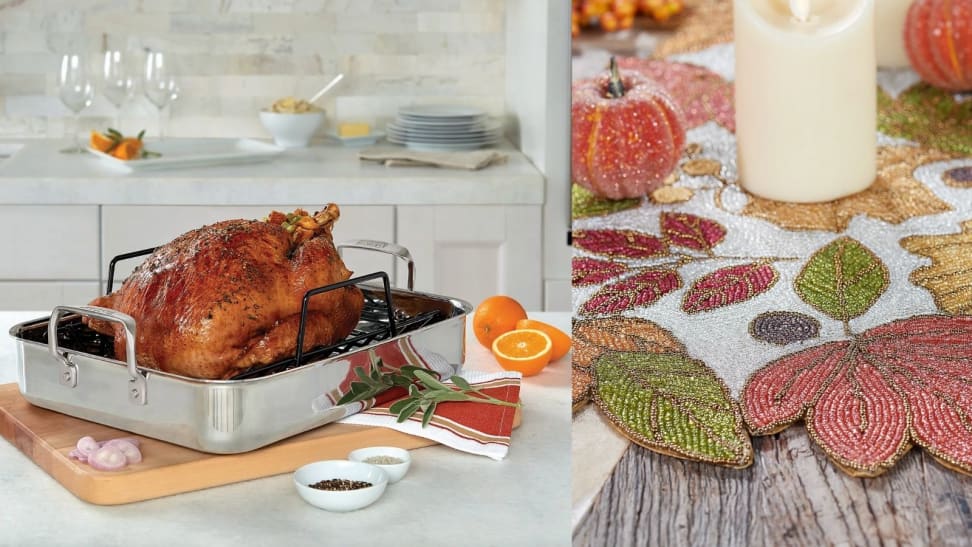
[
  {"x": 949, "y": 275},
  {"x": 930, "y": 116},
  {"x": 584, "y": 204},
  {"x": 729, "y": 285},
  {"x": 843, "y": 279},
  {"x": 703, "y": 95},
  {"x": 673, "y": 404},
  {"x": 580, "y": 387},
  {"x": 620, "y": 243},
  {"x": 642, "y": 289},
  {"x": 592, "y": 337},
  {"x": 865, "y": 401},
  {"x": 591, "y": 271},
  {"x": 894, "y": 197},
  {"x": 691, "y": 232}
]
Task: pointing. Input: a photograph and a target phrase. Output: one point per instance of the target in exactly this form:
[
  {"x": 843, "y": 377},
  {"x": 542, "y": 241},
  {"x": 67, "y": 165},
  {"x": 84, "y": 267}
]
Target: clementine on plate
[
  {"x": 523, "y": 350},
  {"x": 494, "y": 316},
  {"x": 560, "y": 339},
  {"x": 101, "y": 142}
]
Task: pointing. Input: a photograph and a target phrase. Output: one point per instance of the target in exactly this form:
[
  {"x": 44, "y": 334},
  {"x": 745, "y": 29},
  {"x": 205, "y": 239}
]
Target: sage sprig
[{"x": 425, "y": 391}]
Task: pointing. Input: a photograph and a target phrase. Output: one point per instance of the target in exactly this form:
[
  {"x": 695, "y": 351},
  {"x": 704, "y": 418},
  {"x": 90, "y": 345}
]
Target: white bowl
[
  {"x": 335, "y": 500},
  {"x": 395, "y": 471},
  {"x": 292, "y": 130}
]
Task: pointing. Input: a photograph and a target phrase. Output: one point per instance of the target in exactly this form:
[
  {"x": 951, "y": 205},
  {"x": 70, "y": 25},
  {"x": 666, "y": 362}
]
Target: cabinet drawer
[
  {"x": 44, "y": 295},
  {"x": 49, "y": 242},
  {"x": 130, "y": 228}
]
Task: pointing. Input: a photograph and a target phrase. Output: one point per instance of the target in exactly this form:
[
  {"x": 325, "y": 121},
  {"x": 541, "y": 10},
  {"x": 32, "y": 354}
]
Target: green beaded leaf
[
  {"x": 673, "y": 404},
  {"x": 584, "y": 204},
  {"x": 842, "y": 280},
  {"x": 929, "y": 116}
]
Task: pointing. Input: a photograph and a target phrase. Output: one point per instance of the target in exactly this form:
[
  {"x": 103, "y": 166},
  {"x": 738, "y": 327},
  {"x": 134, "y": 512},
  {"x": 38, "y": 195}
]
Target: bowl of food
[
  {"x": 292, "y": 122},
  {"x": 393, "y": 461},
  {"x": 340, "y": 485}
]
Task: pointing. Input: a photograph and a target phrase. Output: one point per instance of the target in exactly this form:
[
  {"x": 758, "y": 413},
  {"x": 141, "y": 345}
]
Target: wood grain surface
[{"x": 792, "y": 495}]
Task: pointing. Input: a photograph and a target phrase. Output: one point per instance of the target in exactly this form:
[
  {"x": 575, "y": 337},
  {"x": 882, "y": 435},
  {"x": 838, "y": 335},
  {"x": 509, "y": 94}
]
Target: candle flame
[{"x": 800, "y": 10}]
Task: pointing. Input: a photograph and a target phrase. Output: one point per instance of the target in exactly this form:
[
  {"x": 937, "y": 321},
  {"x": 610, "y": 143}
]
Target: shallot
[
  {"x": 108, "y": 458},
  {"x": 110, "y": 455}
]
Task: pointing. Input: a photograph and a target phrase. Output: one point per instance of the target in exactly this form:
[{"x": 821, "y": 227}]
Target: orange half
[
  {"x": 523, "y": 350},
  {"x": 560, "y": 339}
]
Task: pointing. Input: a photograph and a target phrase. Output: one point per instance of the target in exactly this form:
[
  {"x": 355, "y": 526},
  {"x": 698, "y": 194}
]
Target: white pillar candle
[
  {"x": 889, "y": 21},
  {"x": 806, "y": 104}
]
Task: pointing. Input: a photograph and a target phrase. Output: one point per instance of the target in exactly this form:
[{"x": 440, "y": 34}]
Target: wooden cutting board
[{"x": 46, "y": 437}]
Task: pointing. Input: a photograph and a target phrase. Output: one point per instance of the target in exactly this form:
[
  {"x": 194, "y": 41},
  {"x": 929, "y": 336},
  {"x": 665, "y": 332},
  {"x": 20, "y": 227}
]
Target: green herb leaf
[
  {"x": 460, "y": 382},
  {"x": 429, "y": 380},
  {"x": 427, "y": 417}
]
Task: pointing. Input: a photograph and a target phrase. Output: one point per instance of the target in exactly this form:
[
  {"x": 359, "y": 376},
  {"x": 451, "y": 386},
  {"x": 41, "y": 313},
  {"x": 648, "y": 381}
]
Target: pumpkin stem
[{"x": 615, "y": 86}]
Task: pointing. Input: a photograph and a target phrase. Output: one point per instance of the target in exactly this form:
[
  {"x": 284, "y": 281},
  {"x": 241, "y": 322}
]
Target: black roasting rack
[{"x": 380, "y": 320}]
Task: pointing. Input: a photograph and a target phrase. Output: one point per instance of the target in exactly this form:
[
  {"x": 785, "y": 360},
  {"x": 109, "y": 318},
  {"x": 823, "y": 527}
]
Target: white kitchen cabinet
[
  {"x": 44, "y": 295},
  {"x": 45, "y": 242},
  {"x": 471, "y": 252},
  {"x": 131, "y": 227},
  {"x": 51, "y": 256}
]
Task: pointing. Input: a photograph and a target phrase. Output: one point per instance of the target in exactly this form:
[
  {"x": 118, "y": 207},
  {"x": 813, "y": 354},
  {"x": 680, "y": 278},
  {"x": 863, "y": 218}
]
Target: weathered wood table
[{"x": 792, "y": 495}]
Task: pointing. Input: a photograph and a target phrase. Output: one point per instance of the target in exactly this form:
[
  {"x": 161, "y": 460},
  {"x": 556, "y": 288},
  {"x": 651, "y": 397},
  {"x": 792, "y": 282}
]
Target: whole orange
[
  {"x": 523, "y": 350},
  {"x": 494, "y": 316},
  {"x": 560, "y": 339}
]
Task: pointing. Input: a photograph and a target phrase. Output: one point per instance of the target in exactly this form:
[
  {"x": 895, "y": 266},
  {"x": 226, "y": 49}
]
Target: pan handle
[
  {"x": 387, "y": 248},
  {"x": 136, "y": 381}
]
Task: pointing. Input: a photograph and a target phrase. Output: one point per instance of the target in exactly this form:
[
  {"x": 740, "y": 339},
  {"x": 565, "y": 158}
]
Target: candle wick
[{"x": 800, "y": 10}]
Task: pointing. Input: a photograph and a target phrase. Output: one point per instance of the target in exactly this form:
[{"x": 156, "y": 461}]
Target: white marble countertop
[
  {"x": 35, "y": 173},
  {"x": 448, "y": 497}
]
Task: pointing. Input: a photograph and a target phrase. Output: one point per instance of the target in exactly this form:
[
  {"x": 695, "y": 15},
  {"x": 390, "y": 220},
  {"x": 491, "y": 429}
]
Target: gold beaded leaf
[
  {"x": 949, "y": 278},
  {"x": 708, "y": 23},
  {"x": 894, "y": 197}
]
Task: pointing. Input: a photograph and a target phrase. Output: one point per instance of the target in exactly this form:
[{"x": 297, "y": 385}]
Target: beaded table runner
[{"x": 703, "y": 314}]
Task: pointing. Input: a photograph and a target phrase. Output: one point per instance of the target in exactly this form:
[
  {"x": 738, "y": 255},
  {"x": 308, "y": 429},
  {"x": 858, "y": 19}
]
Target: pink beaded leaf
[
  {"x": 866, "y": 401},
  {"x": 703, "y": 95}
]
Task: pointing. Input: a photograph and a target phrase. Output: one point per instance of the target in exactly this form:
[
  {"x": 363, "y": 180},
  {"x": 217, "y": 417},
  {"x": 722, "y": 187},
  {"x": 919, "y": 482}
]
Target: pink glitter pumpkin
[{"x": 627, "y": 134}]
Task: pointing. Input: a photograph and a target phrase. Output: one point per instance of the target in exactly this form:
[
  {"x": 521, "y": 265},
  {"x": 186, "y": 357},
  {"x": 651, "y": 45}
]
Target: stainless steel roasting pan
[{"x": 65, "y": 367}]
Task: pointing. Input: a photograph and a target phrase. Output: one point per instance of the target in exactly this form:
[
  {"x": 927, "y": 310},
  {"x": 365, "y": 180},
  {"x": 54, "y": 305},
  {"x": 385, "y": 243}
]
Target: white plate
[
  {"x": 196, "y": 153},
  {"x": 365, "y": 140},
  {"x": 420, "y": 138},
  {"x": 477, "y": 129},
  {"x": 436, "y": 111},
  {"x": 402, "y": 140},
  {"x": 426, "y": 147},
  {"x": 440, "y": 122}
]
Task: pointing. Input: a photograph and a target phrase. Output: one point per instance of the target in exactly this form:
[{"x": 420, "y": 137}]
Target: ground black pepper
[{"x": 340, "y": 485}]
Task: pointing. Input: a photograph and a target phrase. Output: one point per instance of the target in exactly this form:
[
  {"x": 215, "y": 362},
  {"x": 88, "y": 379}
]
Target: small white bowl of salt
[{"x": 392, "y": 460}]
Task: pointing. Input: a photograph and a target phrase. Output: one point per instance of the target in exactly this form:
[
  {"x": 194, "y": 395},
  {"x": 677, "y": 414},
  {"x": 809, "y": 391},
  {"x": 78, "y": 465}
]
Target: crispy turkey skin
[{"x": 227, "y": 296}]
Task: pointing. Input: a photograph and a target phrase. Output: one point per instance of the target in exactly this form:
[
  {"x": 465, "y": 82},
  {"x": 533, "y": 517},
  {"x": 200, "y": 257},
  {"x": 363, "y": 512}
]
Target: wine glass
[
  {"x": 117, "y": 83},
  {"x": 160, "y": 88},
  {"x": 75, "y": 91}
]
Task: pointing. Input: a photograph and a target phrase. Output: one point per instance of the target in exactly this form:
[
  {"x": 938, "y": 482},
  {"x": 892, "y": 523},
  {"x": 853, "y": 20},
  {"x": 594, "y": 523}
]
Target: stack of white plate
[{"x": 443, "y": 127}]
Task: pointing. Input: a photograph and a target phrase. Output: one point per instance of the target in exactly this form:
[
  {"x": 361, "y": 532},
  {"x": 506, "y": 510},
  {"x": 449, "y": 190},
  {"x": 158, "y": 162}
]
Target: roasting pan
[{"x": 66, "y": 367}]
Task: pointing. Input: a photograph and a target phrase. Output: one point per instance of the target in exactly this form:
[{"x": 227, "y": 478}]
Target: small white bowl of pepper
[
  {"x": 340, "y": 485},
  {"x": 392, "y": 460}
]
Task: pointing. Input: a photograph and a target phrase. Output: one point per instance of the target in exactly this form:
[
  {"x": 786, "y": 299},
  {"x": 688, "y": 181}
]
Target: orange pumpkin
[
  {"x": 938, "y": 38},
  {"x": 627, "y": 134}
]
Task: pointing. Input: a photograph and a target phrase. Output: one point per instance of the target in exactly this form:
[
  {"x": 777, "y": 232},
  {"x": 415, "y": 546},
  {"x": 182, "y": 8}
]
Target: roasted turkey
[{"x": 227, "y": 296}]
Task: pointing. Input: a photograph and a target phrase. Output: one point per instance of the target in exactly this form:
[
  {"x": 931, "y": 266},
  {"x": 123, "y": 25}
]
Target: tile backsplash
[{"x": 233, "y": 57}]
